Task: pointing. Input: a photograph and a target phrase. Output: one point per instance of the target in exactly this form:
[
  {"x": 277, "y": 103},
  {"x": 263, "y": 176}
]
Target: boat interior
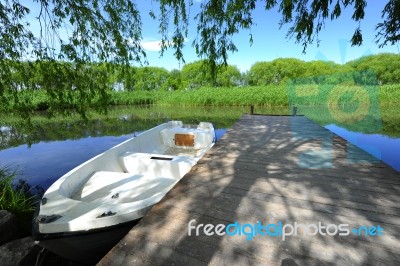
[{"x": 143, "y": 167}]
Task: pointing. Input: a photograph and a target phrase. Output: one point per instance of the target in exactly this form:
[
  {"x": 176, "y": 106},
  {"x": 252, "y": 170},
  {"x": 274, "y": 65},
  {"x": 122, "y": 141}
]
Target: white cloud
[{"x": 152, "y": 46}]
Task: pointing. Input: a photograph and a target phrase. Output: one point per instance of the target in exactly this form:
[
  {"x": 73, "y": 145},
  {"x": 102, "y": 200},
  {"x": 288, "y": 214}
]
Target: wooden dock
[{"x": 273, "y": 169}]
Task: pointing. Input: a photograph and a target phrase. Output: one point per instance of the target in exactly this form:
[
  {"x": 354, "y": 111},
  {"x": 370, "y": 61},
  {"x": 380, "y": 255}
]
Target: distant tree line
[
  {"x": 382, "y": 69},
  {"x": 55, "y": 75}
]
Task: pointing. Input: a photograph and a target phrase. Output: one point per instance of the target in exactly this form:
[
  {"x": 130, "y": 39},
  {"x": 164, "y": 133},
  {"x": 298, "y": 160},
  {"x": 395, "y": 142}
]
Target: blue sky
[{"x": 269, "y": 41}]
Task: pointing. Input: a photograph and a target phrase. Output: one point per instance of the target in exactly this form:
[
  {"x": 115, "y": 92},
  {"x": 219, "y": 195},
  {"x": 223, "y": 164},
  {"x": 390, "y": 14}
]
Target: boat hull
[{"x": 84, "y": 247}]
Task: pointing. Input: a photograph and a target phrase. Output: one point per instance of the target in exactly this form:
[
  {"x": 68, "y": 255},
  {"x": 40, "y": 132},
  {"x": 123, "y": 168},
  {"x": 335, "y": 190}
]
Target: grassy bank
[
  {"x": 388, "y": 95},
  {"x": 272, "y": 95},
  {"x": 237, "y": 96}
]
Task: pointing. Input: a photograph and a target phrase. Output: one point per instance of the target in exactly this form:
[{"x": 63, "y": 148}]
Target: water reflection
[
  {"x": 380, "y": 146},
  {"x": 10, "y": 136},
  {"x": 119, "y": 121}
]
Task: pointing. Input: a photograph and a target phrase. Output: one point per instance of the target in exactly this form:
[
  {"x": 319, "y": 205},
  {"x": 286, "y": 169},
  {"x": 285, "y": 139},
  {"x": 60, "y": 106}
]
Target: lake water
[
  {"x": 382, "y": 147},
  {"x": 51, "y": 148}
]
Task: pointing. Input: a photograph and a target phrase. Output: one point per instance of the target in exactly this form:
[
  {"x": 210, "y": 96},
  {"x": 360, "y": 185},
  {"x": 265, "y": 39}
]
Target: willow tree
[{"x": 82, "y": 32}]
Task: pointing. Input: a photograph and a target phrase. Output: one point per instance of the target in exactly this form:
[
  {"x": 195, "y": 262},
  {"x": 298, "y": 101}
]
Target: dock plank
[{"x": 272, "y": 169}]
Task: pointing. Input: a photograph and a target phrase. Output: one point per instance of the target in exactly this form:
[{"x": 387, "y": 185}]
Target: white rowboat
[{"x": 117, "y": 188}]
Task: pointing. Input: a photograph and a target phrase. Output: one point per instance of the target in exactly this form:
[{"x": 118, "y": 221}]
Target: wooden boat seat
[
  {"x": 190, "y": 138},
  {"x": 186, "y": 140}
]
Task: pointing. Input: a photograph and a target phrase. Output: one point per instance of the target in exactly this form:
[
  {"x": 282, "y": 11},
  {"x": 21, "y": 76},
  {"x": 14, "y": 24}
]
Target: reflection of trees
[
  {"x": 50, "y": 131},
  {"x": 124, "y": 121},
  {"x": 385, "y": 121},
  {"x": 9, "y": 136}
]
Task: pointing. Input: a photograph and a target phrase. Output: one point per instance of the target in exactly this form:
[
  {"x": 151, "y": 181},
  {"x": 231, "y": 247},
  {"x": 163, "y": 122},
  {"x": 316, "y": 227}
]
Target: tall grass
[
  {"x": 270, "y": 95},
  {"x": 16, "y": 199},
  {"x": 237, "y": 96},
  {"x": 389, "y": 95}
]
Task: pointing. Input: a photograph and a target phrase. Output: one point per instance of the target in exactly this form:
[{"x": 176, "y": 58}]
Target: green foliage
[
  {"x": 91, "y": 25},
  {"x": 54, "y": 86},
  {"x": 228, "y": 76},
  {"x": 196, "y": 74},
  {"x": 150, "y": 78},
  {"x": 174, "y": 81},
  {"x": 389, "y": 30},
  {"x": 385, "y": 66},
  {"x": 218, "y": 21},
  {"x": 282, "y": 69}
]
